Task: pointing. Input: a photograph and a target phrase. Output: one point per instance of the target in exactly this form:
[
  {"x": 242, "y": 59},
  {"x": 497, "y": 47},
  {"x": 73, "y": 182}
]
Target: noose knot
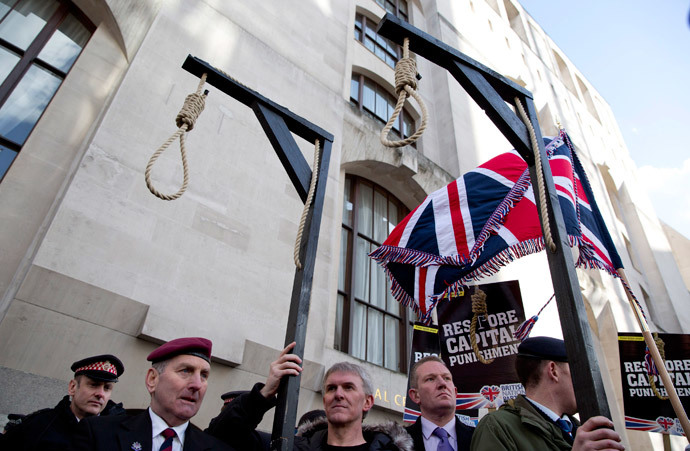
[
  {"x": 405, "y": 74},
  {"x": 660, "y": 345},
  {"x": 193, "y": 106},
  {"x": 479, "y": 303}
]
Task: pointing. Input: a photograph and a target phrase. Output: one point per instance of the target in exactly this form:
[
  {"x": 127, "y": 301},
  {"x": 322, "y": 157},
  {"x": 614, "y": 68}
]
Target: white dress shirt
[
  {"x": 158, "y": 425},
  {"x": 431, "y": 441}
]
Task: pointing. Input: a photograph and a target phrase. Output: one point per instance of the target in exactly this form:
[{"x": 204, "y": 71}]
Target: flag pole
[{"x": 658, "y": 361}]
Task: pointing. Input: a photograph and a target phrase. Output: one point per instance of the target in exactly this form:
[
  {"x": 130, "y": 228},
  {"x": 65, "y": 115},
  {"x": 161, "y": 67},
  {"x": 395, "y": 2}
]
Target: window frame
[
  {"x": 362, "y": 23},
  {"x": 395, "y": 4},
  {"x": 30, "y": 56},
  {"x": 404, "y": 319},
  {"x": 404, "y": 118}
]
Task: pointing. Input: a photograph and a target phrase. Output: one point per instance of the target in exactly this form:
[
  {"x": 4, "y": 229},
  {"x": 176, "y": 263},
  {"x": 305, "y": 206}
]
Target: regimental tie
[
  {"x": 566, "y": 427},
  {"x": 444, "y": 444},
  {"x": 169, "y": 435}
]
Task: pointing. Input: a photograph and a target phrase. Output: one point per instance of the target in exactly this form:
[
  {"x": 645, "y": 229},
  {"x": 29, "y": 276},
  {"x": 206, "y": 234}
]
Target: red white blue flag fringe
[{"x": 486, "y": 219}]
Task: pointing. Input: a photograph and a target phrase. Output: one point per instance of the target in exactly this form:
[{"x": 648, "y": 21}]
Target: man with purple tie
[{"x": 437, "y": 429}]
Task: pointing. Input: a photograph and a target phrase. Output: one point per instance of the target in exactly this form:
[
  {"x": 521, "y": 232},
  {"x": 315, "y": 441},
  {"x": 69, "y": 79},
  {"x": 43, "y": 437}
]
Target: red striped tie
[{"x": 169, "y": 435}]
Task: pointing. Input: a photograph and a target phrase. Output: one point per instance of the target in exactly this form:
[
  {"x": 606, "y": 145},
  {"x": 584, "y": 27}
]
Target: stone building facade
[{"x": 93, "y": 263}]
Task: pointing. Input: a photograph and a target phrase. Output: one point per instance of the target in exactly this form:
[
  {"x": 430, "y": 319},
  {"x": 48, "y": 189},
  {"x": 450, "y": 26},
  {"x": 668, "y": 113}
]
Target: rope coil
[
  {"x": 479, "y": 309},
  {"x": 650, "y": 374},
  {"x": 546, "y": 226},
  {"x": 307, "y": 203},
  {"x": 185, "y": 120},
  {"x": 405, "y": 86}
]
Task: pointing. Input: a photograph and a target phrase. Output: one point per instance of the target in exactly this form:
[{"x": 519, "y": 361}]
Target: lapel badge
[{"x": 136, "y": 446}]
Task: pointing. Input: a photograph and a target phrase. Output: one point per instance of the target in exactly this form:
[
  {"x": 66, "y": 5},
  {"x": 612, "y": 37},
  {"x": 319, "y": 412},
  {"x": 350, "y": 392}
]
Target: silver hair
[
  {"x": 347, "y": 367},
  {"x": 160, "y": 366}
]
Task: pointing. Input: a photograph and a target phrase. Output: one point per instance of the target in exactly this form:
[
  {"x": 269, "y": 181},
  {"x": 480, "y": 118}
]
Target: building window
[
  {"x": 397, "y": 7},
  {"x": 365, "y": 32},
  {"x": 370, "y": 324},
  {"x": 564, "y": 72},
  {"x": 515, "y": 20},
  {"x": 375, "y": 99},
  {"x": 39, "y": 42}
]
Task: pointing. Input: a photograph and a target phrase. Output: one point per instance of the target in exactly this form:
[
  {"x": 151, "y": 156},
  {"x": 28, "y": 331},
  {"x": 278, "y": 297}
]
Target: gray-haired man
[{"x": 347, "y": 397}]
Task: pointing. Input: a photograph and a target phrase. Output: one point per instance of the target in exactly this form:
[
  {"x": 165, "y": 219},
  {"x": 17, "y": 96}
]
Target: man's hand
[
  {"x": 597, "y": 433},
  {"x": 285, "y": 365}
]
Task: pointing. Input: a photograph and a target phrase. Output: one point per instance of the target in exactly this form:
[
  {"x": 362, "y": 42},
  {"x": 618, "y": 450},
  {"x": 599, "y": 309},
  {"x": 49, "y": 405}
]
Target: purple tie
[
  {"x": 444, "y": 444},
  {"x": 169, "y": 435}
]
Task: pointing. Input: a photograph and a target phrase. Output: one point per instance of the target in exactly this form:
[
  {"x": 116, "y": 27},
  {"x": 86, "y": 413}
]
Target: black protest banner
[
  {"x": 644, "y": 410},
  {"x": 482, "y": 385},
  {"x": 424, "y": 343}
]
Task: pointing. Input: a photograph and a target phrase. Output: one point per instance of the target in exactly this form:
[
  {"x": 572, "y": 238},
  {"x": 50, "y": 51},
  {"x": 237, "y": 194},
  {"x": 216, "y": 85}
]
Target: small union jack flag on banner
[
  {"x": 486, "y": 219},
  {"x": 490, "y": 392}
]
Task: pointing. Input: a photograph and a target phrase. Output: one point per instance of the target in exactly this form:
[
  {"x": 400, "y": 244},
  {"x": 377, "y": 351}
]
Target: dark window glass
[
  {"x": 358, "y": 27},
  {"x": 8, "y": 60},
  {"x": 26, "y": 20},
  {"x": 370, "y": 324},
  {"x": 66, "y": 44},
  {"x": 354, "y": 89},
  {"x": 6, "y": 158},
  {"x": 25, "y": 105},
  {"x": 397, "y": 7},
  {"x": 39, "y": 42},
  {"x": 365, "y": 32}
]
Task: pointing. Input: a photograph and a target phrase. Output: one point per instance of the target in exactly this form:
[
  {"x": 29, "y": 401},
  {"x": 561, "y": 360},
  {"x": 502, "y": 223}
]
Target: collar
[
  {"x": 428, "y": 428},
  {"x": 158, "y": 425},
  {"x": 553, "y": 416}
]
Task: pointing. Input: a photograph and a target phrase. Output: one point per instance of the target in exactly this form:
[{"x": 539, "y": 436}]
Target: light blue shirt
[
  {"x": 431, "y": 441},
  {"x": 553, "y": 416},
  {"x": 158, "y": 425}
]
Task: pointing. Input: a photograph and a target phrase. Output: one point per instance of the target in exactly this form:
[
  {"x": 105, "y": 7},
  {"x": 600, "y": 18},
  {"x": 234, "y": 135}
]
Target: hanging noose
[
  {"x": 541, "y": 184},
  {"x": 307, "y": 203},
  {"x": 478, "y": 309},
  {"x": 405, "y": 86},
  {"x": 185, "y": 120},
  {"x": 660, "y": 346}
]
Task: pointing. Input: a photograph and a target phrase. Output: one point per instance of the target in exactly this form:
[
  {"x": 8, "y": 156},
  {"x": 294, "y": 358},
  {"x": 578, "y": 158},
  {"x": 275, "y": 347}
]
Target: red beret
[{"x": 196, "y": 346}]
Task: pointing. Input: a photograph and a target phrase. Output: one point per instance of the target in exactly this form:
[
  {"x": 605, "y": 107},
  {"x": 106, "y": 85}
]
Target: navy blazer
[
  {"x": 133, "y": 433},
  {"x": 463, "y": 432}
]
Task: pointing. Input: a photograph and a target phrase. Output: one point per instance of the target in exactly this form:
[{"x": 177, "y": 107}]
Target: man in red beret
[
  {"x": 177, "y": 382},
  {"x": 88, "y": 395}
]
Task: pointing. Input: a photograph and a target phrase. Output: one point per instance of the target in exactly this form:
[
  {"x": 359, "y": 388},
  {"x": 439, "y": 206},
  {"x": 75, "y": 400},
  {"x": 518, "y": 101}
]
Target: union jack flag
[{"x": 486, "y": 219}]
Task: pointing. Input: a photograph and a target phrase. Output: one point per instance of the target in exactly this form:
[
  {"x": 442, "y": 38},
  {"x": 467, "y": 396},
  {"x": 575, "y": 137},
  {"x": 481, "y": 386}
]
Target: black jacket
[
  {"x": 49, "y": 429},
  {"x": 384, "y": 436},
  {"x": 462, "y": 431},
  {"x": 126, "y": 433},
  {"x": 237, "y": 423}
]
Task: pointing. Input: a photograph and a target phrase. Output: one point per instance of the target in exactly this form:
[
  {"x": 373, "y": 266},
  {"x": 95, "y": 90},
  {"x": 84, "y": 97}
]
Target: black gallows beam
[
  {"x": 280, "y": 124},
  {"x": 496, "y": 95}
]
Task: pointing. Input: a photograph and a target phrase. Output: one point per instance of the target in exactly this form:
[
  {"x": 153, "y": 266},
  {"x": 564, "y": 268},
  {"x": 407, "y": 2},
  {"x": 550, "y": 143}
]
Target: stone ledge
[{"x": 60, "y": 293}]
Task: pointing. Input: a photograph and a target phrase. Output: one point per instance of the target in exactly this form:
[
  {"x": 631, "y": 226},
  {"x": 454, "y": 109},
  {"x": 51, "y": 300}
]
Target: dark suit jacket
[
  {"x": 463, "y": 432},
  {"x": 49, "y": 429},
  {"x": 133, "y": 433}
]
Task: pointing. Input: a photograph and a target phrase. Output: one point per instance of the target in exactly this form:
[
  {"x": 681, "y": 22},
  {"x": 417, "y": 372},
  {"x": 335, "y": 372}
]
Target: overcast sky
[{"x": 637, "y": 55}]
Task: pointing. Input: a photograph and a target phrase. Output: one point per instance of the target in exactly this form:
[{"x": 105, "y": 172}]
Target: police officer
[{"x": 89, "y": 394}]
